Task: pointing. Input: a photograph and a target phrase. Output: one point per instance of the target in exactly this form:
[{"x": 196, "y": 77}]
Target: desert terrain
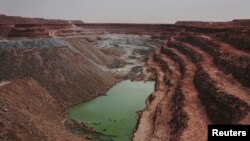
[{"x": 201, "y": 72}]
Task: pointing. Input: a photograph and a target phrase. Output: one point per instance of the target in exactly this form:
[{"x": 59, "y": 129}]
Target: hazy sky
[{"x": 129, "y": 11}]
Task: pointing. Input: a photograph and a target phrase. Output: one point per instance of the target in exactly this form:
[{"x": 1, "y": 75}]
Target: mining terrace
[{"x": 201, "y": 72}]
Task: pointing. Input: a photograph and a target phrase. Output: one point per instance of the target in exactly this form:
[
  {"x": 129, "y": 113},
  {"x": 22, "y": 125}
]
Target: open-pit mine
[{"x": 69, "y": 80}]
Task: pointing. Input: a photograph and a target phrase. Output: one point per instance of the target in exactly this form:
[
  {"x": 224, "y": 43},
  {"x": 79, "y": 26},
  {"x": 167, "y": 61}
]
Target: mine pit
[{"x": 61, "y": 80}]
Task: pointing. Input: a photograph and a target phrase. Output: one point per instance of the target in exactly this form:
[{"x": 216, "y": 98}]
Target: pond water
[{"x": 113, "y": 116}]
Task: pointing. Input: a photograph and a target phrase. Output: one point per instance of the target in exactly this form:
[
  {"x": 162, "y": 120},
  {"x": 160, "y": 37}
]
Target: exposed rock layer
[{"x": 201, "y": 73}]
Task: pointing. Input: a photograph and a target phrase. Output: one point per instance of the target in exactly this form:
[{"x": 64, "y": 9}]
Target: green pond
[{"x": 114, "y": 116}]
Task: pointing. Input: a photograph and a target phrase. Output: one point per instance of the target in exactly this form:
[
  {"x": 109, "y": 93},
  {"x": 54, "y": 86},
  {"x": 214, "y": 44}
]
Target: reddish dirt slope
[
  {"x": 38, "y": 84},
  {"x": 29, "y": 112},
  {"x": 69, "y": 77},
  {"x": 201, "y": 80},
  {"x": 201, "y": 74}
]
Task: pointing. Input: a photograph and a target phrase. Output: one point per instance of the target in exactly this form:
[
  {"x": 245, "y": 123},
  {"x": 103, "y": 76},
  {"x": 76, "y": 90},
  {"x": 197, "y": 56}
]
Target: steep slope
[
  {"x": 68, "y": 76},
  {"x": 29, "y": 112},
  {"x": 39, "y": 79},
  {"x": 226, "y": 57},
  {"x": 88, "y": 50},
  {"x": 205, "y": 82},
  {"x": 201, "y": 73}
]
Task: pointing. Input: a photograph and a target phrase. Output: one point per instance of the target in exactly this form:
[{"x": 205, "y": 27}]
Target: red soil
[
  {"x": 202, "y": 75},
  {"x": 211, "y": 85}
]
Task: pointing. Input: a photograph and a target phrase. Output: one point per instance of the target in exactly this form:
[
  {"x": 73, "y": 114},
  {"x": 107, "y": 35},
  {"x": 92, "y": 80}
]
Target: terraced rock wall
[{"x": 205, "y": 81}]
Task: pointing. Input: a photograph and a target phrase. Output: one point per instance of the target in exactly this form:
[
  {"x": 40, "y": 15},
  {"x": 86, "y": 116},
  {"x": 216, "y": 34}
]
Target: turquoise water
[{"x": 114, "y": 115}]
